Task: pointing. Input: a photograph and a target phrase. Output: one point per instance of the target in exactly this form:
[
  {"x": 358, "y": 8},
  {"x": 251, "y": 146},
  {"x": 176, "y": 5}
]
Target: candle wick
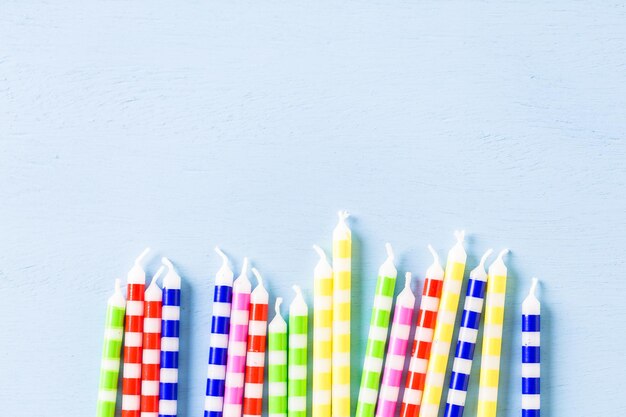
[
  {"x": 484, "y": 258},
  {"x": 533, "y": 287},
  {"x": 460, "y": 235},
  {"x": 435, "y": 255},
  {"x": 244, "y": 268},
  {"x": 389, "y": 249},
  {"x": 142, "y": 255},
  {"x": 279, "y": 301},
  {"x": 223, "y": 255},
  {"x": 167, "y": 263},
  {"x": 158, "y": 274},
  {"x": 343, "y": 215},
  {"x": 118, "y": 286},
  {"x": 298, "y": 291},
  {"x": 407, "y": 282},
  {"x": 320, "y": 252},
  {"x": 258, "y": 276},
  {"x": 501, "y": 254}
]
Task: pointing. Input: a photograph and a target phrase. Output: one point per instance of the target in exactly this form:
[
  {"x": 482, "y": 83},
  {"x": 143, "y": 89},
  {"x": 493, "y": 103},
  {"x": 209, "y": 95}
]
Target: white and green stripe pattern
[
  {"x": 377, "y": 338},
  {"x": 111, "y": 353},
  {"x": 297, "y": 356},
  {"x": 277, "y": 364}
]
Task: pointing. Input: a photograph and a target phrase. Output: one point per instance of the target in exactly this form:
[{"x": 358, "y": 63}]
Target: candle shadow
[
  {"x": 186, "y": 345},
  {"x": 545, "y": 353}
]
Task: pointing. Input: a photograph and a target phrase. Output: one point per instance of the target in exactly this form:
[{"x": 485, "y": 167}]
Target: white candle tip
[
  {"x": 118, "y": 286},
  {"x": 434, "y": 253},
  {"x": 167, "y": 263},
  {"x": 244, "y": 268},
  {"x": 501, "y": 254},
  {"x": 223, "y": 256},
  {"x": 320, "y": 252},
  {"x": 484, "y": 258},
  {"x": 279, "y": 301},
  {"x": 298, "y": 291},
  {"x": 407, "y": 278},
  {"x": 459, "y": 235},
  {"x": 343, "y": 215},
  {"x": 389, "y": 249},
  {"x": 258, "y": 276},
  {"x": 141, "y": 256}
]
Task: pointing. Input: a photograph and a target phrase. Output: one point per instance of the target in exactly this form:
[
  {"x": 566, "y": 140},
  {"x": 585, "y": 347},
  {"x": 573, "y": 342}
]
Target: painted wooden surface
[{"x": 182, "y": 125}]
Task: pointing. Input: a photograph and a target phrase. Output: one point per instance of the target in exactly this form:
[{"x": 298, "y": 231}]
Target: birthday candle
[
  {"x": 151, "y": 360},
  {"x": 442, "y": 338},
  {"x": 110, "y": 365},
  {"x": 237, "y": 340},
  {"x": 396, "y": 352},
  {"x": 462, "y": 366},
  {"x": 297, "y": 356},
  {"x": 133, "y": 339},
  {"x": 342, "y": 254},
  {"x": 322, "y": 335},
  {"x": 170, "y": 333},
  {"x": 218, "y": 345},
  {"x": 531, "y": 368},
  {"x": 255, "y": 359},
  {"x": 420, "y": 352},
  {"x": 492, "y": 339},
  {"x": 377, "y": 338},
  {"x": 277, "y": 364}
]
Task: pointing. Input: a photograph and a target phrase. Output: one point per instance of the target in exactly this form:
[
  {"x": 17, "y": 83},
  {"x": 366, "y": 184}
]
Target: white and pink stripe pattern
[
  {"x": 396, "y": 351},
  {"x": 237, "y": 343}
]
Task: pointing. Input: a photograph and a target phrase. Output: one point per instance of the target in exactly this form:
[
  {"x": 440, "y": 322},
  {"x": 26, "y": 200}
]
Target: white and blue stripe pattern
[
  {"x": 218, "y": 345},
  {"x": 468, "y": 332},
  {"x": 170, "y": 336},
  {"x": 531, "y": 368}
]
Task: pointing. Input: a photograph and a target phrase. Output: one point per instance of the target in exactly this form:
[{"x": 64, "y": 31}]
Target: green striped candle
[
  {"x": 277, "y": 364},
  {"x": 377, "y": 338},
  {"x": 111, "y": 353},
  {"x": 297, "y": 356}
]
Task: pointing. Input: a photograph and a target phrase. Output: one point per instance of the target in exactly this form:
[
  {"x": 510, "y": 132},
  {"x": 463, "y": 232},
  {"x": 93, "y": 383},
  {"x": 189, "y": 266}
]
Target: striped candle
[
  {"x": 277, "y": 364},
  {"x": 442, "y": 338},
  {"x": 110, "y": 365},
  {"x": 237, "y": 341},
  {"x": 420, "y": 352},
  {"x": 531, "y": 368},
  {"x": 464, "y": 355},
  {"x": 396, "y": 352},
  {"x": 342, "y": 267},
  {"x": 170, "y": 334},
  {"x": 255, "y": 359},
  {"x": 218, "y": 345},
  {"x": 377, "y": 337},
  {"x": 492, "y": 339},
  {"x": 151, "y": 357},
  {"x": 133, "y": 339},
  {"x": 322, "y": 335},
  {"x": 297, "y": 356}
]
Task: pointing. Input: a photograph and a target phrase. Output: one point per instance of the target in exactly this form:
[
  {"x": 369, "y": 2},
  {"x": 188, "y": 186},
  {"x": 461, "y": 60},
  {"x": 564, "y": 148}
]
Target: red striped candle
[
  {"x": 133, "y": 339},
  {"x": 150, "y": 364},
  {"x": 255, "y": 359},
  {"x": 420, "y": 353}
]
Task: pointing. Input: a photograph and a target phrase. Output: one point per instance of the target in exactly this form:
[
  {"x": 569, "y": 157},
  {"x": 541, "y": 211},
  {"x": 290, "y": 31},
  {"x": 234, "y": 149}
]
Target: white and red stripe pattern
[
  {"x": 133, "y": 339},
  {"x": 255, "y": 360},
  {"x": 237, "y": 341},
  {"x": 150, "y": 364},
  {"x": 420, "y": 353}
]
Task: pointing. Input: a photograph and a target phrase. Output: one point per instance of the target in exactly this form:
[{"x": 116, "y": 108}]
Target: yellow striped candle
[
  {"x": 322, "y": 335},
  {"x": 342, "y": 257},
  {"x": 442, "y": 338},
  {"x": 492, "y": 339}
]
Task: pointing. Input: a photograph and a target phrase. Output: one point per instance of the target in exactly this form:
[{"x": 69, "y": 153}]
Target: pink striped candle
[
  {"x": 237, "y": 343},
  {"x": 396, "y": 351}
]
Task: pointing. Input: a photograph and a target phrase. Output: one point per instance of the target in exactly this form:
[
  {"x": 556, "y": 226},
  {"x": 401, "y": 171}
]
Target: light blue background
[{"x": 248, "y": 124}]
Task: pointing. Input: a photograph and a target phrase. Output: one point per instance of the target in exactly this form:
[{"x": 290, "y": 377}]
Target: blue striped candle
[
  {"x": 170, "y": 333},
  {"x": 466, "y": 342},
  {"x": 531, "y": 368},
  {"x": 218, "y": 346}
]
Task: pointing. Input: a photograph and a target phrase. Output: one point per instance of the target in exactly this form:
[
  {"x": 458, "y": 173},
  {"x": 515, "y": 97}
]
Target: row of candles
[{"x": 148, "y": 324}]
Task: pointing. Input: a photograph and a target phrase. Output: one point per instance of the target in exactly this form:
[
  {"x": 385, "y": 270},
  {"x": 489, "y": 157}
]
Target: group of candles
[{"x": 240, "y": 334}]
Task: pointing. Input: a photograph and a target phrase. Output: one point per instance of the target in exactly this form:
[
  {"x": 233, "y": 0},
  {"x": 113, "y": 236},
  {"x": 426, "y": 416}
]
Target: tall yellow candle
[
  {"x": 322, "y": 335},
  {"x": 342, "y": 267},
  {"x": 442, "y": 338},
  {"x": 492, "y": 339}
]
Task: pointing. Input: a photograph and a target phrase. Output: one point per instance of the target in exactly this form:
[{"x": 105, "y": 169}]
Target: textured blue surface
[{"x": 248, "y": 124}]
